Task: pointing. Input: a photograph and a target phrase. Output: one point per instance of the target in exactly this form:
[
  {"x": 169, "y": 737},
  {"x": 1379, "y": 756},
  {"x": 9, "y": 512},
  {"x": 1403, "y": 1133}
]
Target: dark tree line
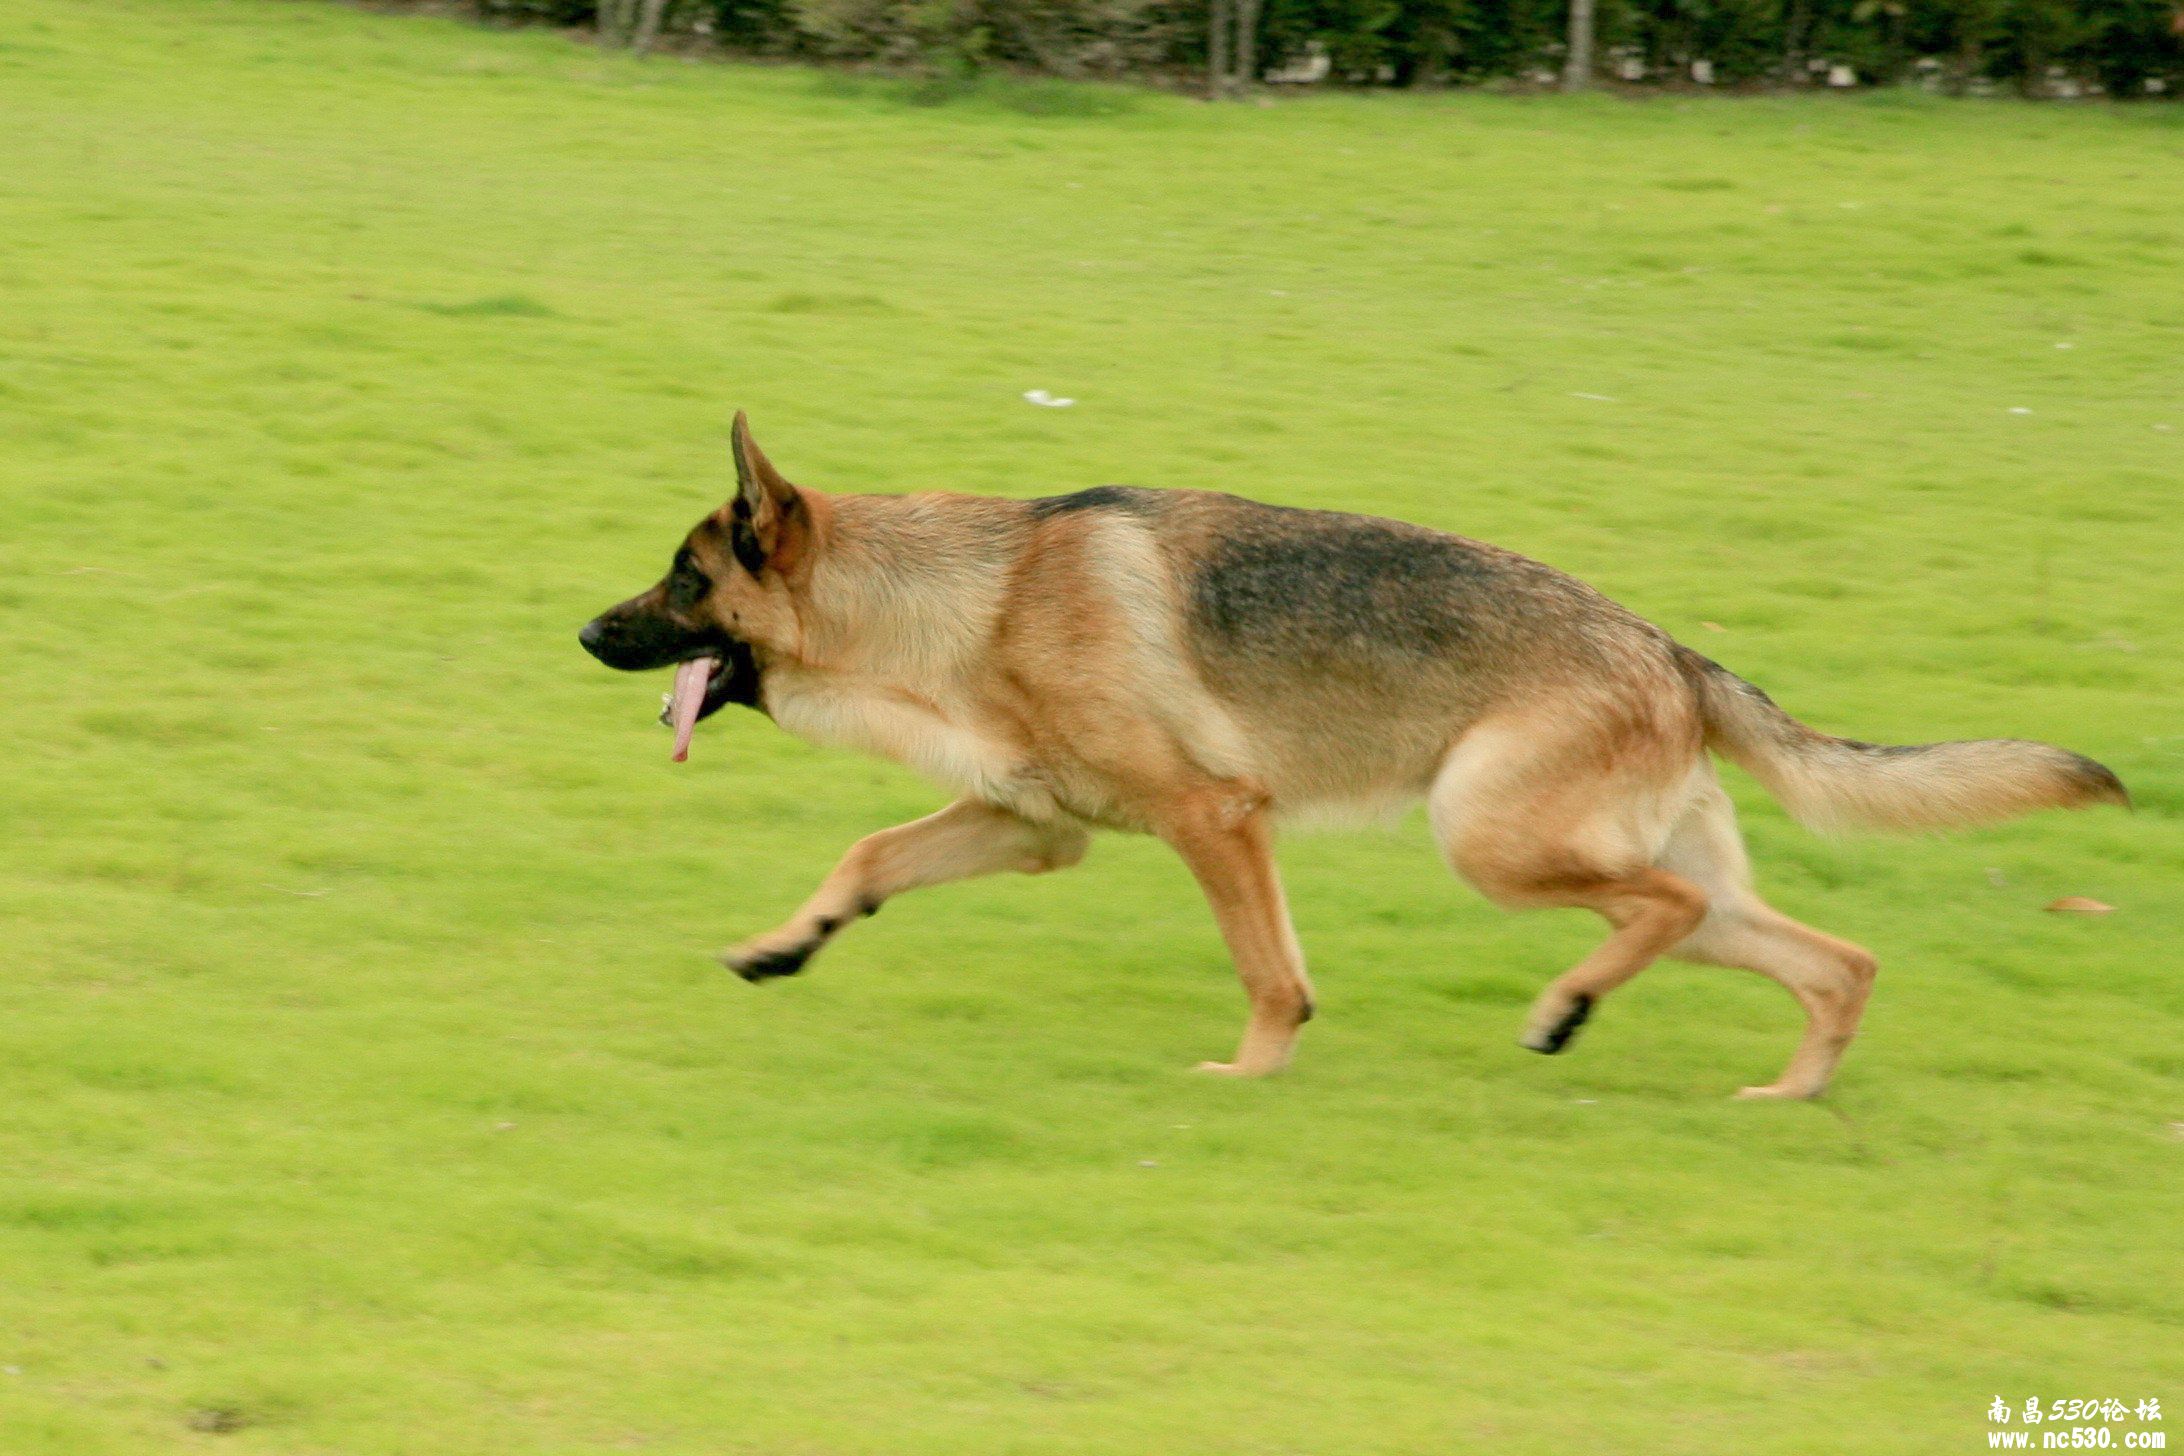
[{"x": 2039, "y": 47}]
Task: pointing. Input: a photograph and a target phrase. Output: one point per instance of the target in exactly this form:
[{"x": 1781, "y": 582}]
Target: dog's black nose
[{"x": 591, "y": 636}]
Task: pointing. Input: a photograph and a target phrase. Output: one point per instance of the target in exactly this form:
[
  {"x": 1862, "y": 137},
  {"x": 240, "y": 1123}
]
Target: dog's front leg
[
  {"x": 961, "y": 841},
  {"x": 1226, "y": 841}
]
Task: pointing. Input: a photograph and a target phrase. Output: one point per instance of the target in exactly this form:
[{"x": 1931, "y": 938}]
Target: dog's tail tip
[{"x": 2099, "y": 782}]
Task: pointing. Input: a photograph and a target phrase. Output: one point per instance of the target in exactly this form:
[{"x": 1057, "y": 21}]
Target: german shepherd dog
[{"x": 1202, "y": 667}]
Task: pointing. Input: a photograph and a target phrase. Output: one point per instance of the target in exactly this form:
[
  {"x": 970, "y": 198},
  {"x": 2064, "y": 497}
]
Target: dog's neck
[{"x": 893, "y": 594}]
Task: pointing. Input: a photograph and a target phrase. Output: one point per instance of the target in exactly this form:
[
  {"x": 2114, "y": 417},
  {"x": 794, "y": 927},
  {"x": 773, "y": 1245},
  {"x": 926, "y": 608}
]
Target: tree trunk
[
  {"x": 1218, "y": 16},
  {"x": 1247, "y": 43},
  {"x": 1577, "y": 67},
  {"x": 612, "y": 23},
  {"x": 1968, "y": 62},
  {"x": 1794, "y": 25},
  {"x": 648, "y": 24}
]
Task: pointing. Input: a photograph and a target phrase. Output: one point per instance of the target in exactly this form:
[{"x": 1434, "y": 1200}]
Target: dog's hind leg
[
  {"x": 1571, "y": 811},
  {"x": 964, "y": 840},
  {"x": 1830, "y": 978},
  {"x": 1224, "y": 837}
]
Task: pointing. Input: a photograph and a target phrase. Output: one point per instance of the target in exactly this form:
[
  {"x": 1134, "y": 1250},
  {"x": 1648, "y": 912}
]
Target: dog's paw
[
  {"x": 1778, "y": 1092},
  {"x": 761, "y": 963},
  {"x": 1550, "y": 1033},
  {"x": 1238, "y": 1069}
]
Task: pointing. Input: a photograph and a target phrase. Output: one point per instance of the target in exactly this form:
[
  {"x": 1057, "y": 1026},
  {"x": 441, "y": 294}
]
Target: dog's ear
[{"x": 764, "y": 510}]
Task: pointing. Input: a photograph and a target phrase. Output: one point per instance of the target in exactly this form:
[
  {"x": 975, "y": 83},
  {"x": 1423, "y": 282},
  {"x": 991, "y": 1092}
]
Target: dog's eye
[{"x": 686, "y": 585}]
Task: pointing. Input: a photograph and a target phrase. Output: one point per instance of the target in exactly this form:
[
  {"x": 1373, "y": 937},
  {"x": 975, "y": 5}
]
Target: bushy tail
[{"x": 1839, "y": 783}]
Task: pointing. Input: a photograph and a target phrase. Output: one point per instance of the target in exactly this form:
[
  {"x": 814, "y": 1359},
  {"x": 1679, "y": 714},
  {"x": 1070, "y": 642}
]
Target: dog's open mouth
[
  {"x": 686, "y": 704},
  {"x": 705, "y": 685}
]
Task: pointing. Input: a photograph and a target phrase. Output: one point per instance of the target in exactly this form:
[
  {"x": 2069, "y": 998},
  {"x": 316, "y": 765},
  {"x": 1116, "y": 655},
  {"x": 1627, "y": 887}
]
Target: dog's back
[{"x": 1347, "y": 652}]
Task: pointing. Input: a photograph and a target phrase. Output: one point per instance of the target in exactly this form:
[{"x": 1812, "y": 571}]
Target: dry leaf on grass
[{"x": 2079, "y": 905}]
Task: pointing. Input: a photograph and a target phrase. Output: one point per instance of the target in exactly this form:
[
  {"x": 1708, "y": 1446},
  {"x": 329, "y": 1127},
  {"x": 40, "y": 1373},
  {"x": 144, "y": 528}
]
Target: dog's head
[{"x": 725, "y": 596}]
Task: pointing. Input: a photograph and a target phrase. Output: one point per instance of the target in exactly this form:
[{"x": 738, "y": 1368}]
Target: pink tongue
[{"x": 690, "y": 679}]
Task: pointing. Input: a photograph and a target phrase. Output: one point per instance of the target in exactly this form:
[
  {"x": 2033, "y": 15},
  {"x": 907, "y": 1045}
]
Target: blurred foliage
[{"x": 2040, "y": 47}]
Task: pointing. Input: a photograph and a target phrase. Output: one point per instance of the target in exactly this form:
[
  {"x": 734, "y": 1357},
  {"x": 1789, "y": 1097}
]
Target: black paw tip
[
  {"x": 1558, "y": 1036},
  {"x": 773, "y": 964}
]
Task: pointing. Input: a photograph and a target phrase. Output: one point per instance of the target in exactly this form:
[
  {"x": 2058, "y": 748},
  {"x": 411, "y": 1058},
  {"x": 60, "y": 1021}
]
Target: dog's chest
[{"x": 943, "y": 742}]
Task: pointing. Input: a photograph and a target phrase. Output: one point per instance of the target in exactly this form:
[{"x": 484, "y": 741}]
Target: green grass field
[{"x": 368, "y": 1086}]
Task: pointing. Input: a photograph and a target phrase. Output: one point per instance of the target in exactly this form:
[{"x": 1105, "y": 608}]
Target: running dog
[{"x": 1200, "y": 667}]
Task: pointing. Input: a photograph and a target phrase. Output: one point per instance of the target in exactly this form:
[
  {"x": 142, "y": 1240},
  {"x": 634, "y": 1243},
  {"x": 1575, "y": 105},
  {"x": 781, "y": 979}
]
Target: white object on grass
[{"x": 1041, "y": 397}]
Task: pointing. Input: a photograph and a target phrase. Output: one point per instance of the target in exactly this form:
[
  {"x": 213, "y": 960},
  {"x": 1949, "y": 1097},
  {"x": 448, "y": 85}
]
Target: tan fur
[
  {"x": 1201, "y": 668},
  {"x": 1831, "y": 783}
]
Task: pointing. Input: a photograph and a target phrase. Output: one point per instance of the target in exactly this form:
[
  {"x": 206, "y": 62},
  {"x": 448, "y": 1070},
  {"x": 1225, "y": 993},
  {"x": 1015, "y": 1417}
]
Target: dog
[{"x": 1202, "y": 667}]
